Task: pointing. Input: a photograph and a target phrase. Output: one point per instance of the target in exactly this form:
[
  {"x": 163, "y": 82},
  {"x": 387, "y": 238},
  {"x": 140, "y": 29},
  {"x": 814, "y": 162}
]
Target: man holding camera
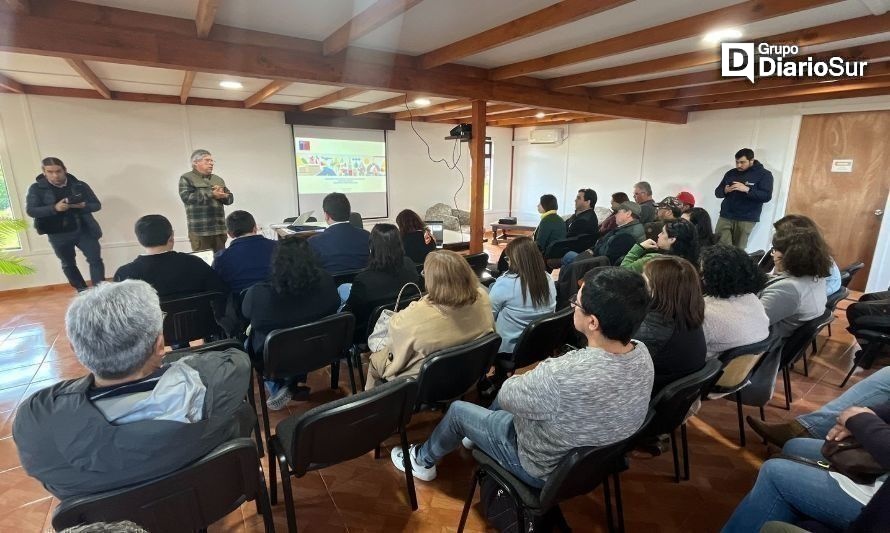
[{"x": 62, "y": 207}]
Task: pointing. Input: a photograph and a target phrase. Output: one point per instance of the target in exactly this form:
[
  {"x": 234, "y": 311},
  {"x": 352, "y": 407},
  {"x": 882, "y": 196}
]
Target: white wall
[
  {"x": 132, "y": 155},
  {"x": 611, "y": 156}
]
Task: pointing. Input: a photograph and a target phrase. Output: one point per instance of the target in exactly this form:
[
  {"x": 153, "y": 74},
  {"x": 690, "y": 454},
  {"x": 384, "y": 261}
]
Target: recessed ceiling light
[
  {"x": 718, "y": 36},
  {"x": 540, "y": 114},
  {"x": 234, "y": 85},
  {"x": 422, "y": 102}
]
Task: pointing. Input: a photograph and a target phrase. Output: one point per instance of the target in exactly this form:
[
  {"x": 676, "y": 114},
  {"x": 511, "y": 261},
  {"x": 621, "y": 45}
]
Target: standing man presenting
[
  {"x": 204, "y": 195},
  {"x": 744, "y": 190},
  {"x": 62, "y": 207}
]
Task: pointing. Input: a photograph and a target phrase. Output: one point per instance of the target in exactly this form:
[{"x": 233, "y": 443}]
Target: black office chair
[
  {"x": 795, "y": 348},
  {"x": 191, "y": 318},
  {"x": 339, "y": 431},
  {"x": 479, "y": 264},
  {"x": 849, "y": 271},
  {"x": 299, "y": 350},
  {"x": 578, "y": 243},
  {"x": 356, "y": 220},
  {"x": 757, "y": 256},
  {"x": 447, "y": 374},
  {"x": 347, "y": 276},
  {"x": 189, "y": 499},
  {"x": 738, "y": 364},
  {"x": 833, "y": 300},
  {"x": 581, "y": 471},
  {"x": 672, "y": 404},
  {"x": 874, "y": 338},
  {"x": 543, "y": 338}
]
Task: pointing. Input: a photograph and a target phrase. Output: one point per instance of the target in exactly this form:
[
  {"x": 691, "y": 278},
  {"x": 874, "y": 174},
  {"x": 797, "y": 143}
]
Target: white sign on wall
[{"x": 842, "y": 165}]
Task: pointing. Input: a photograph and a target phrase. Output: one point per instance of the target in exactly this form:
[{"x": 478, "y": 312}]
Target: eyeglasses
[{"x": 574, "y": 303}]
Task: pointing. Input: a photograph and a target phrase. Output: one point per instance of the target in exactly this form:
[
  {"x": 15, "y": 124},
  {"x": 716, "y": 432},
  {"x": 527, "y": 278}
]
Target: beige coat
[{"x": 423, "y": 328}]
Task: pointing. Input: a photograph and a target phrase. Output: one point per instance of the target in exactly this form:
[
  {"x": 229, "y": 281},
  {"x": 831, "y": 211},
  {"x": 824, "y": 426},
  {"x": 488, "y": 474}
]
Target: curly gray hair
[
  {"x": 199, "y": 154},
  {"x": 113, "y": 327}
]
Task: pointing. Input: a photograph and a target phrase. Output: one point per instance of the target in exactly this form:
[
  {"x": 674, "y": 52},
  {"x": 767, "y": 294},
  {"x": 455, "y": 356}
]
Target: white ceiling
[{"x": 427, "y": 26}]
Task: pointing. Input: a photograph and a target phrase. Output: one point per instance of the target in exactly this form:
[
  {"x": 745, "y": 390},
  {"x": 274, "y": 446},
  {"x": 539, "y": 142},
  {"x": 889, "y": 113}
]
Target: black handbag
[{"x": 849, "y": 458}]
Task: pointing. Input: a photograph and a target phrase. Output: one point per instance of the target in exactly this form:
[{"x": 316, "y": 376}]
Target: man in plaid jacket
[{"x": 204, "y": 195}]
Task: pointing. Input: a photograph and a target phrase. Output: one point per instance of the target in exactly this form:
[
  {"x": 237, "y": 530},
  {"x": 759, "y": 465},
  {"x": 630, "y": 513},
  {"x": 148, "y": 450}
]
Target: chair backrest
[
  {"x": 757, "y": 256},
  {"x": 543, "y": 337},
  {"x": 190, "y": 318},
  {"x": 583, "y": 469},
  {"x": 189, "y": 499},
  {"x": 449, "y": 373},
  {"x": 293, "y": 351},
  {"x": 403, "y": 303},
  {"x": 356, "y": 219},
  {"x": 849, "y": 271},
  {"x": 478, "y": 262},
  {"x": 802, "y": 337},
  {"x": 837, "y": 297},
  {"x": 288, "y": 220},
  {"x": 350, "y": 427},
  {"x": 738, "y": 365},
  {"x": 672, "y": 403},
  {"x": 347, "y": 276}
]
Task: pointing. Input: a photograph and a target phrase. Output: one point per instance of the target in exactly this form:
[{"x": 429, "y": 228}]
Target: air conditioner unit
[{"x": 545, "y": 136}]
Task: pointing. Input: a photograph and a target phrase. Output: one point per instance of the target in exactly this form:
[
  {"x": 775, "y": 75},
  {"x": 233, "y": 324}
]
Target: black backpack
[{"x": 501, "y": 511}]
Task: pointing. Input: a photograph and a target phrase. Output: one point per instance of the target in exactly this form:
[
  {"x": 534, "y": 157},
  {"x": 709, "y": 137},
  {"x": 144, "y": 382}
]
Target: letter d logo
[{"x": 737, "y": 60}]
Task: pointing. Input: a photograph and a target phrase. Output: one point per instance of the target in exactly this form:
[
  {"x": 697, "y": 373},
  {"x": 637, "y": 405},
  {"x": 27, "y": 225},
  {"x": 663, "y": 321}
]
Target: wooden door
[{"x": 844, "y": 204}]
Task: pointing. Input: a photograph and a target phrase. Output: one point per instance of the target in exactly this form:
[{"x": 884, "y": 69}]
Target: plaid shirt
[{"x": 205, "y": 214}]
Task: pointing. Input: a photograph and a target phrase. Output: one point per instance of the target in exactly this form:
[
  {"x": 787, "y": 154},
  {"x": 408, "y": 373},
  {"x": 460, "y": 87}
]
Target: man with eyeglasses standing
[{"x": 204, "y": 195}]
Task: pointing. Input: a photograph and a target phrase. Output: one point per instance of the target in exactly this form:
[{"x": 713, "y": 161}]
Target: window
[
  {"x": 486, "y": 195},
  {"x": 8, "y": 241}
]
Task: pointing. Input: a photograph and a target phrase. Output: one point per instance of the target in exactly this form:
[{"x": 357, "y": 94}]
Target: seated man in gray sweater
[
  {"x": 593, "y": 396},
  {"x": 132, "y": 419}
]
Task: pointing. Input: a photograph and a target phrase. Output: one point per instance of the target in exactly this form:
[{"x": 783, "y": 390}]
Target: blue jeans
[
  {"x": 871, "y": 391},
  {"x": 789, "y": 491},
  {"x": 491, "y": 430},
  {"x": 343, "y": 290},
  {"x": 568, "y": 258}
]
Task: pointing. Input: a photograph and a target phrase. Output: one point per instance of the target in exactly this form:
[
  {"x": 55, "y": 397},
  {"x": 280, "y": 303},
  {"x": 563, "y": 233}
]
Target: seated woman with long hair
[
  {"x": 417, "y": 239},
  {"x": 792, "y": 222},
  {"x": 455, "y": 310},
  {"x": 677, "y": 238},
  {"x": 797, "y": 294},
  {"x": 298, "y": 292},
  {"x": 734, "y": 315},
  {"x": 704, "y": 228},
  {"x": 672, "y": 330},
  {"x": 387, "y": 272}
]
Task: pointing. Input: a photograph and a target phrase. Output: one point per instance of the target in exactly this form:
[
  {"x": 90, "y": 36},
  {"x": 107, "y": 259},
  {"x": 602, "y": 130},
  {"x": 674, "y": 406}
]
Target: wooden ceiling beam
[
  {"x": 558, "y": 118},
  {"x": 467, "y": 113},
  {"x": 444, "y": 107},
  {"x": 107, "y": 42},
  {"x": 187, "y": 81},
  {"x": 11, "y": 85},
  {"x": 542, "y": 20},
  {"x": 665, "y": 82},
  {"x": 382, "y": 104},
  {"x": 735, "y": 15},
  {"x": 330, "y": 98},
  {"x": 378, "y": 14},
  {"x": 205, "y": 16},
  {"x": 266, "y": 92},
  {"x": 80, "y": 66},
  {"x": 798, "y": 89},
  {"x": 813, "y": 97},
  {"x": 826, "y": 33}
]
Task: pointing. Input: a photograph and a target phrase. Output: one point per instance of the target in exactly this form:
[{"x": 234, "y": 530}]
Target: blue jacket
[
  {"x": 341, "y": 248},
  {"x": 738, "y": 205},
  {"x": 511, "y": 314},
  {"x": 247, "y": 260}
]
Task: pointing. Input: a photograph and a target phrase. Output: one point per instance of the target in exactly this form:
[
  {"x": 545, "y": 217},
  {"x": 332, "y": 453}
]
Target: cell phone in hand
[{"x": 75, "y": 198}]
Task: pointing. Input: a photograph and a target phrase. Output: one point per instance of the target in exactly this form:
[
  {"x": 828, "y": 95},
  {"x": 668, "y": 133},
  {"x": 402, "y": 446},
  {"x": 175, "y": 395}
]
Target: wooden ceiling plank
[
  {"x": 106, "y": 42},
  {"x": 89, "y": 76},
  {"x": 204, "y": 17},
  {"x": 378, "y": 14},
  {"x": 433, "y": 109},
  {"x": 11, "y": 85},
  {"x": 187, "y": 80},
  {"x": 735, "y": 15},
  {"x": 382, "y": 104},
  {"x": 665, "y": 82},
  {"x": 266, "y": 92},
  {"x": 826, "y": 33},
  {"x": 542, "y": 20},
  {"x": 330, "y": 98},
  {"x": 857, "y": 93}
]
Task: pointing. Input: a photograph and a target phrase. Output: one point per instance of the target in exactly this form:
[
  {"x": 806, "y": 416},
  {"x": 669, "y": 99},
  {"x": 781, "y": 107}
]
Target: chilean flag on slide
[{"x": 304, "y": 146}]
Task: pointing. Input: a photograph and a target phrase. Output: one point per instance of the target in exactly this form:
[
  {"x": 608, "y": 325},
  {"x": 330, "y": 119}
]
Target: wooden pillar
[{"x": 477, "y": 176}]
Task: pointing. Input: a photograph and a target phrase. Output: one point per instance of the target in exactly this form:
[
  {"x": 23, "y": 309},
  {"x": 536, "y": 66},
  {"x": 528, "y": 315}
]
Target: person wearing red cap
[{"x": 687, "y": 201}]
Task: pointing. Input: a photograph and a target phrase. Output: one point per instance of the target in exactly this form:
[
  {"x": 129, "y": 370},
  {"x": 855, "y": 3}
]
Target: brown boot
[{"x": 778, "y": 434}]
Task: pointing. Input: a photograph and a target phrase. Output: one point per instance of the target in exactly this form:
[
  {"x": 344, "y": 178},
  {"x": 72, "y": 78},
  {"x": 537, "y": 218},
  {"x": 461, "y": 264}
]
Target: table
[{"x": 504, "y": 228}]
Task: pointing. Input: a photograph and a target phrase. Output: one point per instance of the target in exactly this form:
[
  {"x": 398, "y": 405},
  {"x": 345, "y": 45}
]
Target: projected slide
[{"x": 355, "y": 168}]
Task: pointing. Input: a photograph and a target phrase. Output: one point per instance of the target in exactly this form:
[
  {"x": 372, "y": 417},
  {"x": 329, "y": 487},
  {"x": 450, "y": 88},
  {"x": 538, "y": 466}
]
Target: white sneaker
[
  {"x": 418, "y": 470},
  {"x": 467, "y": 443},
  {"x": 278, "y": 401}
]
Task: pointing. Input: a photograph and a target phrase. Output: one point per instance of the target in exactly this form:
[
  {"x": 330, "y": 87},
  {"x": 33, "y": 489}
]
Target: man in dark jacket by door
[
  {"x": 62, "y": 208},
  {"x": 744, "y": 190}
]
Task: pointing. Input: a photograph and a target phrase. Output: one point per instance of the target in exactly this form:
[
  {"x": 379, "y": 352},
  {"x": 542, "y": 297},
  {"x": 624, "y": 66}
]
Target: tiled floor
[{"x": 368, "y": 495}]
